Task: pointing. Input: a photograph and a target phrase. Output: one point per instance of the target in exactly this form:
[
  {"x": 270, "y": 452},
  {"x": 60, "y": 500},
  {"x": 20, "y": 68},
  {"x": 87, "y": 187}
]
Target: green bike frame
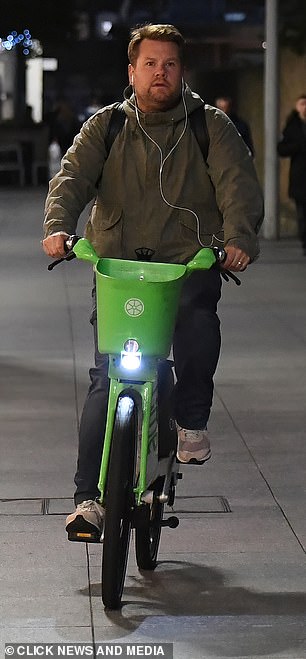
[{"x": 141, "y": 299}]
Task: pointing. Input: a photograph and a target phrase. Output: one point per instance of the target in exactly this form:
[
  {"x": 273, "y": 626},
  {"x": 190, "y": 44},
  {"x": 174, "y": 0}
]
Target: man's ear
[{"x": 131, "y": 76}]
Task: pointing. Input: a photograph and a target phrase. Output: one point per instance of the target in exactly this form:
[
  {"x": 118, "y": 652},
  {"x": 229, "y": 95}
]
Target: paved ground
[{"x": 230, "y": 583}]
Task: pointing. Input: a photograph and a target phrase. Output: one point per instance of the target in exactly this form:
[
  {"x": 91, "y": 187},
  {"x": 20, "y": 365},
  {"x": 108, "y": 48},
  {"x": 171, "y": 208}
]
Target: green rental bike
[{"x": 137, "y": 303}]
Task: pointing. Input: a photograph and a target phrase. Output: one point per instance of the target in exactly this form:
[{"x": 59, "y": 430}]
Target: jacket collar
[{"x": 174, "y": 115}]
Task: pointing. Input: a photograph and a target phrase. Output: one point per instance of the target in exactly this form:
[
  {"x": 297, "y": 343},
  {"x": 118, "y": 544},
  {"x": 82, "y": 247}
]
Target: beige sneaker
[
  {"x": 86, "y": 523},
  {"x": 193, "y": 446}
]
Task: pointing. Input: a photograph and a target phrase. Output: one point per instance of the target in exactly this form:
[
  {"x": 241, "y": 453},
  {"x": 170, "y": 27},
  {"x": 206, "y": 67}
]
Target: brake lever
[
  {"x": 69, "y": 244},
  {"x": 227, "y": 275},
  {"x": 221, "y": 255},
  {"x": 69, "y": 257}
]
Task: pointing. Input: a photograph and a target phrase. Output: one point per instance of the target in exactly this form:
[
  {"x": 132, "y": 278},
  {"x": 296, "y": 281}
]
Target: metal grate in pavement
[
  {"x": 201, "y": 504},
  {"x": 62, "y": 506},
  {"x": 36, "y": 506}
]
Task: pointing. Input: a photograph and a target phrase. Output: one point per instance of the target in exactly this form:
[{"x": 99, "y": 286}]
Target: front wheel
[{"x": 119, "y": 502}]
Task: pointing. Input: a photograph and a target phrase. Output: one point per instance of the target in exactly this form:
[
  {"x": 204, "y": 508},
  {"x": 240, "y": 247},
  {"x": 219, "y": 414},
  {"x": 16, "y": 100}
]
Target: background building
[{"x": 82, "y": 47}]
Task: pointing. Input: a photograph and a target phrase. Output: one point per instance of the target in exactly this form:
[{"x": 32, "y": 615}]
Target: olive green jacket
[{"x": 155, "y": 190}]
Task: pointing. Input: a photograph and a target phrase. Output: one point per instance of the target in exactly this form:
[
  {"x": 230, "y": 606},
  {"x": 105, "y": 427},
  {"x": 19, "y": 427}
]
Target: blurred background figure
[
  {"x": 293, "y": 145},
  {"x": 27, "y": 124},
  {"x": 225, "y": 103},
  {"x": 63, "y": 125},
  {"x": 27, "y": 119},
  {"x": 93, "y": 106},
  {"x": 54, "y": 158}
]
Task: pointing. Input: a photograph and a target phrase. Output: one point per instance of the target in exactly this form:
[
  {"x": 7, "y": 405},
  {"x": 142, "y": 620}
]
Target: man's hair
[
  {"x": 301, "y": 97},
  {"x": 155, "y": 33}
]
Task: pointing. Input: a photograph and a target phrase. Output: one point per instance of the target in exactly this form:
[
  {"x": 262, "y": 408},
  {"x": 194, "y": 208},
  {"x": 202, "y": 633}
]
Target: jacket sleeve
[
  {"x": 238, "y": 193},
  {"x": 69, "y": 193}
]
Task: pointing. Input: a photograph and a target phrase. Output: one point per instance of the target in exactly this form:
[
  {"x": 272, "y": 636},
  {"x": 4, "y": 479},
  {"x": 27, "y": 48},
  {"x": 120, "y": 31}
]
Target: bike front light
[{"x": 130, "y": 355}]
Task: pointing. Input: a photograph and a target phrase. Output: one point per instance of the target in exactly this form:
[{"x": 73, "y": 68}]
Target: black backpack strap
[
  {"x": 115, "y": 125},
  {"x": 198, "y": 125}
]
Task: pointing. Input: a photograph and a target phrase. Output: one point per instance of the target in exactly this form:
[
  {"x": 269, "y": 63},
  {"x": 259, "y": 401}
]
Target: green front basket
[{"x": 137, "y": 300}]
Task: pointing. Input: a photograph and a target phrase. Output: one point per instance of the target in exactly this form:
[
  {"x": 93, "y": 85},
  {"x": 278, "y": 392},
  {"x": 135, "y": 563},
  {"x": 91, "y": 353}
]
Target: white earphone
[{"x": 132, "y": 80}]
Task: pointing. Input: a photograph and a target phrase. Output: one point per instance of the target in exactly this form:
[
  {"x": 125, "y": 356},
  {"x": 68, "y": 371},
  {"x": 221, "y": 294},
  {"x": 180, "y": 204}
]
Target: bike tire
[
  {"x": 167, "y": 434},
  {"x": 148, "y": 531},
  {"x": 119, "y": 502},
  {"x": 149, "y": 516}
]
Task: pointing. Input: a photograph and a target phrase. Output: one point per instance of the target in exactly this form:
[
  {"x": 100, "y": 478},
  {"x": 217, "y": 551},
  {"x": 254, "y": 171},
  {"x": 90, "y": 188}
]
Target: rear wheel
[
  {"x": 119, "y": 503},
  {"x": 149, "y": 516},
  {"x": 148, "y": 530},
  {"x": 167, "y": 435}
]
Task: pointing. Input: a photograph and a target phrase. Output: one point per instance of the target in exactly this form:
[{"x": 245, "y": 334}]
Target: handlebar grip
[
  {"x": 70, "y": 242},
  {"x": 220, "y": 254},
  {"x": 68, "y": 246}
]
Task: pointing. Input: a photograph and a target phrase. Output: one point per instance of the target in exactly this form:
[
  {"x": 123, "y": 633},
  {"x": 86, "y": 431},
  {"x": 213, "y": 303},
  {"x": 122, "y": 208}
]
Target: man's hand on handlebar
[
  {"x": 54, "y": 245},
  {"x": 236, "y": 259}
]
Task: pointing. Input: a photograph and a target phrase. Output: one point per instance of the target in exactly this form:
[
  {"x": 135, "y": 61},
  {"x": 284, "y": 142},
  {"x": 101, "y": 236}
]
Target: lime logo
[{"x": 134, "y": 307}]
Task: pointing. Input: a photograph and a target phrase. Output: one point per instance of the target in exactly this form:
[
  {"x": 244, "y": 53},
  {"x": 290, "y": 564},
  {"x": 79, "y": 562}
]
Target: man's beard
[{"x": 165, "y": 102}]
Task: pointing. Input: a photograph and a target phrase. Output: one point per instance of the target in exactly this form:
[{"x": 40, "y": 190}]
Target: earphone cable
[{"x": 163, "y": 161}]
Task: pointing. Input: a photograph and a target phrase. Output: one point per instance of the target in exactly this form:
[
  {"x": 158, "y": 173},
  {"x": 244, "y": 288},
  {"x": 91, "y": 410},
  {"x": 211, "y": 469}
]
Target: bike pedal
[
  {"x": 172, "y": 522},
  {"x": 79, "y": 530},
  {"x": 80, "y": 536}
]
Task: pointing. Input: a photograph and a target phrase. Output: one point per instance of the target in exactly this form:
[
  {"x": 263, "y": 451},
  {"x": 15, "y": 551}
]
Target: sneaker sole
[
  {"x": 79, "y": 530},
  {"x": 193, "y": 461}
]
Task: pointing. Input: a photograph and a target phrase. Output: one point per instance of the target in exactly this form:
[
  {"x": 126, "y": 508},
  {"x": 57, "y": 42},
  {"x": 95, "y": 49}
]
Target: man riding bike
[{"x": 155, "y": 189}]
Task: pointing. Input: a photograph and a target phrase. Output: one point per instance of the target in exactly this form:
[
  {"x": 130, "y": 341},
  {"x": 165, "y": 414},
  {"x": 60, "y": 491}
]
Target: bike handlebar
[{"x": 146, "y": 254}]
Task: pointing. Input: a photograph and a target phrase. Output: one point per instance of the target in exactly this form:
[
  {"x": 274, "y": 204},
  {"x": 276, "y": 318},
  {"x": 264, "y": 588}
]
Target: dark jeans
[
  {"x": 301, "y": 218},
  {"x": 196, "y": 349}
]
